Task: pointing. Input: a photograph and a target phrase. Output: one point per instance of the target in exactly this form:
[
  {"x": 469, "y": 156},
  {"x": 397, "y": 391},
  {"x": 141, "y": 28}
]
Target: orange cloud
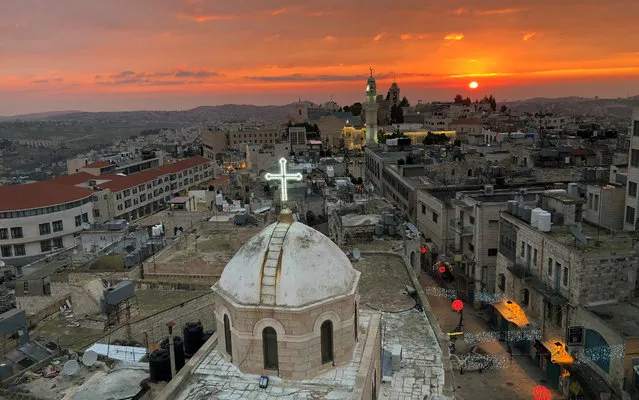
[
  {"x": 279, "y": 11},
  {"x": 454, "y": 36},
  {"x": 500, "y": 11},
  {"x": 329, "y": 37},
  {"x": 379, "y": 36},
  {"x": 210, "y": 17},
  {"x": 529, "y": 36},
  {"x": 410, "y": 36},
  {"x": 316, "y": 13},
  {"x": 460, "y": 11}
]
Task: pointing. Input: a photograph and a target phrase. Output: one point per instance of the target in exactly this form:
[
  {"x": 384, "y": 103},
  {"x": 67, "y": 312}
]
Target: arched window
[
  {"x": 356, "y": 322},
  {"x": 269, "y": 343},
  {"x": 597, "y": 350},
  {"x": 327, "y": 341},
  {"x": 227, "y": 336},
  {"x": 470, "y": 172}
]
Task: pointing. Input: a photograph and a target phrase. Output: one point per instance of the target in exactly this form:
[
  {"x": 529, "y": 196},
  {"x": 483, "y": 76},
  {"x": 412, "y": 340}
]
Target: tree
[
  {"x": 397, "y": 115},
  {"x": 356, "y": 109},
  {"x": 458, "y": 99},
  {"x": 347, "y": 109},
  {"x": 466, "y": 102},
  {"x": 404, "y": 102},
  {"x": 503, "y": 109}
]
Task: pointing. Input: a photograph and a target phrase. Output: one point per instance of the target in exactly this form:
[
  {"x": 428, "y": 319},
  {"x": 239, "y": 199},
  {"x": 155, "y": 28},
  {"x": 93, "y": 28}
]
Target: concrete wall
[
  {"x": 371, "y": 358},
  {"x": 438, "y": 232},
  {"x": 610, "y": 210}
]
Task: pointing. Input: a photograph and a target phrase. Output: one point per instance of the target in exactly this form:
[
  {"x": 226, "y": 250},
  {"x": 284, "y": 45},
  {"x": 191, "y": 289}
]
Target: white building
[
  {"x": 40, "y": 218},
  {"x": 370, "y": 108}
]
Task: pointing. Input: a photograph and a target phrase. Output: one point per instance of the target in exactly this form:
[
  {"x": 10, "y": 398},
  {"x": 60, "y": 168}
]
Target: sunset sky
[{"x": 104, "y": 55}]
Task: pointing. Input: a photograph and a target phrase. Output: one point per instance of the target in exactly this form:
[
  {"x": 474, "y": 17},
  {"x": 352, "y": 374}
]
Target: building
[
  {"x": 632, "y": 198},
  {"x": 297, "y": 138},
  {"x": 574, "y": 285},
  {"x": 278, "y": 316},
  {"x": 214, "y": 141},
  {"x": 466, "y": 127},
  {"x": 38, "y": 219},
  {"x": 370, "y": 110},
  {"x": 264, "y": 136},
  {"x": 393, "y": 93}
]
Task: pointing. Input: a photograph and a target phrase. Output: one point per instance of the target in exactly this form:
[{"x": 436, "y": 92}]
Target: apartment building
[
  {"x": 632, "y": 197},
  {"x": 574, "y": 287},
  {"x": 264, "y": 136},
  {"x": 41, "y": 218}
]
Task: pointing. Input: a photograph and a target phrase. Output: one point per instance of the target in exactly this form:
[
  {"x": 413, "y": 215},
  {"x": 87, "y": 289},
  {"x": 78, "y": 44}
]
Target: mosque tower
[{"x": 371, "y": 107}]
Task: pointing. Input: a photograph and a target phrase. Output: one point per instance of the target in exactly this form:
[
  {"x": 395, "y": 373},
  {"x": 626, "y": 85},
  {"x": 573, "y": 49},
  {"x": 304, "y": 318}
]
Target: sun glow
[{"x": 473, "y": 85}]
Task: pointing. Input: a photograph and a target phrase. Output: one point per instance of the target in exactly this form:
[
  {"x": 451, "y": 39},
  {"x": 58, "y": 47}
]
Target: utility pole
[{"x": 171, "y": 349}]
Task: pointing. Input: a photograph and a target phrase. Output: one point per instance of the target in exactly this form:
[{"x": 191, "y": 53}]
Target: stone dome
[{"x": 288, "y": 264}]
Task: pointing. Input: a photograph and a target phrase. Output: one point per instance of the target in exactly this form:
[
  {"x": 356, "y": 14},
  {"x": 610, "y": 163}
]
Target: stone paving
[{"x": 216, "y": 378}]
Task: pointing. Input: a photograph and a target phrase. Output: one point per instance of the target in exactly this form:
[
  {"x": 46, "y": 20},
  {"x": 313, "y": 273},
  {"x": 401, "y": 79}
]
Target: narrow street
[{"x": 507, "y": 380}]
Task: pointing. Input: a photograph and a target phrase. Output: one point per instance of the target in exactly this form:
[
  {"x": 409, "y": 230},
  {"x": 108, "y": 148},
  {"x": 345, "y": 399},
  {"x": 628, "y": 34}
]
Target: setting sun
[{"x": 473, "y": 85}]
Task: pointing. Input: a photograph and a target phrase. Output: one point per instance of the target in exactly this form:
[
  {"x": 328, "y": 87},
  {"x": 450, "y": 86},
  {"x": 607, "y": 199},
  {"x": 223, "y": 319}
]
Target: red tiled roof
[
  {"x": 73, "y": 179},
  {"x": 98, "y": 164},
  {"x": 39, "y": 194},
  {"x": 217, "y": 180},
  {"x": 118, "y": 183}
]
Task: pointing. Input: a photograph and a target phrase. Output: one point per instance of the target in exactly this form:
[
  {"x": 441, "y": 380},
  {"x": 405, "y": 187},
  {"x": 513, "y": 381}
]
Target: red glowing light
[
  {"x": 423, "y": 250},
  {"x": 458, "y": 305},
  {"x": 541, "y": 393},
  {"x": 442, "y": 270}
]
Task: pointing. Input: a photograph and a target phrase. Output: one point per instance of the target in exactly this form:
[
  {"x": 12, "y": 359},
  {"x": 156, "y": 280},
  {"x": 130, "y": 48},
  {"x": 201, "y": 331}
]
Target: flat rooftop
[
  {"x": 608, "y": 242},
  {"x": 622, "y": 317}
]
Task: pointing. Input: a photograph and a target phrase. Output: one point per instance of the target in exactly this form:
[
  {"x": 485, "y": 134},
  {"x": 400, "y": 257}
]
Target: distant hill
[
  {"x": 228, "y": 113},
  {"x": 36, "y": 116},
  {"x": 620, "y": 108}
]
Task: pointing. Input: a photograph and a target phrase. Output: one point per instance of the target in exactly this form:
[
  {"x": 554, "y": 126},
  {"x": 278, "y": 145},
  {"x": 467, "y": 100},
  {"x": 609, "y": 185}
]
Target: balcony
[
  {"x": 521, "y": 271},
  {"x": 461, "y": 228}
]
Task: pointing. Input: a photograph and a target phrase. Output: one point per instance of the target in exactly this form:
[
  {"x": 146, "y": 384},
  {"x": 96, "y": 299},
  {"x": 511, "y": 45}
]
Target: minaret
[
  {"x": 394, "y": 93},
  {"x": 371, "y": 107}
]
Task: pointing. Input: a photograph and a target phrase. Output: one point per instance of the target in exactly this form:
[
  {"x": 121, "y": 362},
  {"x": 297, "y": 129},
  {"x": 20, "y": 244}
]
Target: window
[
  {"x": 356, "y": 322},
  {"x": 550, "y": 264},
  {"x": 471, "y": 247},
  {"x": 435, "y": 217},
  {"x": 57, "y": 226},
  {"x": 326, "y": 333},
  {"x": 492, "y": 252},
  {"x": 4, "y": 234},
  {"x": 85, "y": 217},
  {"x": 423, "y": 209},
  {"x": 19, "y": 250},
  {"x": 565, "y": 277},
  {"x": 16, "y": 233},
  {"x": 595, "y": 204},
  {"x": 45, "y": 229},
  {"x": 269, "y": 344},
  {"x": 559, "y": 316},
  {"x": 502, "y": 281},
  {"x": 118, "y": 196},
  {"x": 127, "y": 203},
  {"x": 78, "y": 220},
  {"x": 6, "y": 251},
  {"x": 534, "y": 260},
  {"x": 25, "y": 287},
  {"x": 634, "y": 158},
  {"x": 549, "y": 310},
  {"x": 590, "y": 201},
  {"x": 227, "y": 336},
  {"x": 523, "y": 248},
  {"x": 635, "y": 128},
  {"x": 526, "y": 297},
  {"x": 632, "y": 189},
  {"x": 471, "y": 220},
  {"x": 57, "y": 243},
  {"x": 630, "y": 215},
  {"x": 96, "y": 213},
  {"x": 45, "y": 246}
]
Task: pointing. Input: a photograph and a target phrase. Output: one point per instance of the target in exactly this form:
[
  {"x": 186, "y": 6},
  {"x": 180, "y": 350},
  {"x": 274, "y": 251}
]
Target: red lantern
[
  {"x": 458, "y": 305},
  {"x": 442, "y": 269},
  {"x": 423, "y": 250},
  {"x": 541, "y": 393}
]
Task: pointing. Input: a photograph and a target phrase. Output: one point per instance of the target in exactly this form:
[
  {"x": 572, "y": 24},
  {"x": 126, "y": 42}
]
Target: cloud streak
[
  {"x": 529, "y": 36},
  {"x": 454, "y": 36},
  {"x": 501, "y": 11}
]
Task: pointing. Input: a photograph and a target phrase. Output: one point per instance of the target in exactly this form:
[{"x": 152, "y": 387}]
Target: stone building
[{"x": 572, "y": 281}]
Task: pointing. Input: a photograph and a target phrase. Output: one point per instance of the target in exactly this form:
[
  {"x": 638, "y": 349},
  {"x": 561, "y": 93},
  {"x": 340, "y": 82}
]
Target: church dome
[{"x": 288, "y": 264}]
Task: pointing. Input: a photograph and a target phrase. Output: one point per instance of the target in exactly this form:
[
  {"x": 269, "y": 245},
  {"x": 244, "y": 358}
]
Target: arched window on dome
[
  {"x": 327, "y": 341},
  {"x": 227, "y": 336},
  {"x": 269, "y": 343}
]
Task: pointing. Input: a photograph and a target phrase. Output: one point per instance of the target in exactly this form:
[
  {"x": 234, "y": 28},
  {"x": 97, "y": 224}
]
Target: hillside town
[{"x": 388, "y": 249}]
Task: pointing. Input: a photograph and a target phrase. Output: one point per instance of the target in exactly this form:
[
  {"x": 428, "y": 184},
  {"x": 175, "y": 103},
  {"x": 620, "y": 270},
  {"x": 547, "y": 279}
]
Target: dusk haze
[{"x": 178, "y": 54}]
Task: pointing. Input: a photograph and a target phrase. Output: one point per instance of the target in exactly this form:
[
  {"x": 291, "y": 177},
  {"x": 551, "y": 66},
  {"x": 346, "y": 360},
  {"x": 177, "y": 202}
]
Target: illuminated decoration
[
  {"x": 423, "y": 250},
  {"x": 541, "y": 393},
  {"x": 283, "y": 177},
  {"x": 512, "y": 312},
  {"x": 558, "y": 352},
  {"x": 442, "y": 269},
  {"x": 458, "y": 305}
]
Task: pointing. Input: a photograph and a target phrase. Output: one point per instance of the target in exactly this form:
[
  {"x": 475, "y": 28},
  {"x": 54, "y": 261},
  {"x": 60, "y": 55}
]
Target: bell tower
[{"x": 370, "y": 108}]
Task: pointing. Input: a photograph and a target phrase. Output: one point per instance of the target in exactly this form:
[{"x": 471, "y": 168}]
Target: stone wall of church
[{"x": 298, "y": 336}]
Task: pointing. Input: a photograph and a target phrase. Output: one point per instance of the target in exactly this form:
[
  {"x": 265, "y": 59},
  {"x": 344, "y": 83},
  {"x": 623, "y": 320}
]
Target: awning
[
  {"x": 512, "y": 313},
  {"x": 558, "y": 353}
]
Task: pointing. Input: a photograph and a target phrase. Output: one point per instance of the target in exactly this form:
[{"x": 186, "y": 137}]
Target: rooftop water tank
[
  {"x": 534, "y": 217},
  {"x": 544, "y": 221},
  {"x": 573, "y": 189}
]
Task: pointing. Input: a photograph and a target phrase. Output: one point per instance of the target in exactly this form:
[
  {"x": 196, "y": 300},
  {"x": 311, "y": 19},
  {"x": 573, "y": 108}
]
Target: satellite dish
[
  {"x": 89, "y": 358},
  {"x": 86, "y": 226},
  {"x": 71, "y": 367},
  {"x": 356, "y": 254},
  {"x": 2, "y": 263}
]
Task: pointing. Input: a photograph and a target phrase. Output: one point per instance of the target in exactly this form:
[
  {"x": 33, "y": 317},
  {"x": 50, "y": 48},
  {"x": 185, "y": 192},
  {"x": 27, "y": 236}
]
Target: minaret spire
[{"x": 371, "y": 68}]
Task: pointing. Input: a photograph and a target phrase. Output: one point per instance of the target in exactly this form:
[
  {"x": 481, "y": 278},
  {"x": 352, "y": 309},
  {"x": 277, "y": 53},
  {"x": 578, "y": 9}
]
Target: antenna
[
  {"x": 71, "y": 367},
  {"x": 356, "y": 254},
  {"x": 89, "y": 358}
]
